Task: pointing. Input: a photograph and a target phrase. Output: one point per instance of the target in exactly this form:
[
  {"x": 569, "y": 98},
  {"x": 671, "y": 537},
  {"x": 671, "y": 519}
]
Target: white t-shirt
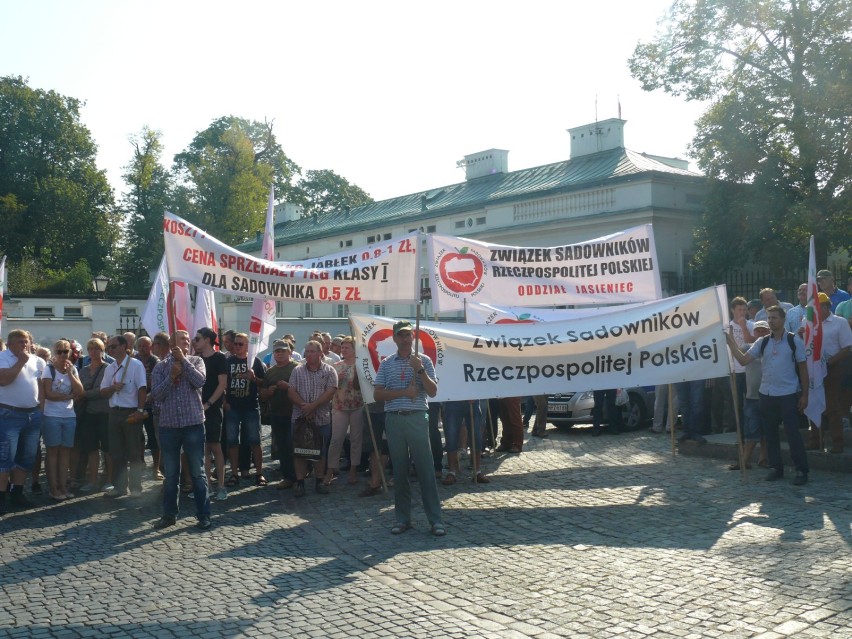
[
  {"x": 739, "y": 338},
  {"x": 61, "y": 384},
  {"x": 23, "y": 391}
]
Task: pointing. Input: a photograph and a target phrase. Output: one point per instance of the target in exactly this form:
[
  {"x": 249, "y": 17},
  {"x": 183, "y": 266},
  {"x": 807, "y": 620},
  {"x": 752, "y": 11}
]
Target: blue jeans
[
  {"x": 250, "y": 418},
  {"x": 455, "y": 413},
  {"x": 690, "y": 396},
  {"x": 19, "y": 435},
  {"x": 191, "y": 438},
  {"x": 752, "y": 424}
]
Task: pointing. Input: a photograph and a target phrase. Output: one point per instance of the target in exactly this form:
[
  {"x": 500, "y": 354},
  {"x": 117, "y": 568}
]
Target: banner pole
[
  {"x": 473, "y": 451},
  {"x": 740, "y": 446},
  {"x": 672, "y": 419},
  {"x": 376, "y": 450}
]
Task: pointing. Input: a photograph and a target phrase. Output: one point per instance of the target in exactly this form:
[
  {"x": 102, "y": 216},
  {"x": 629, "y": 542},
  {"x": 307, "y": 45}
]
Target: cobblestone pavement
[{"x": 576, "y": 537}]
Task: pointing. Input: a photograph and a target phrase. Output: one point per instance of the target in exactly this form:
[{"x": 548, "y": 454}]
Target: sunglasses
[{"x": 62, "y": 352}]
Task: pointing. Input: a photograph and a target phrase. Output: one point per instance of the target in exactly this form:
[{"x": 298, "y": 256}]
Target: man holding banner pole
[{"x": 403, "y": 382}]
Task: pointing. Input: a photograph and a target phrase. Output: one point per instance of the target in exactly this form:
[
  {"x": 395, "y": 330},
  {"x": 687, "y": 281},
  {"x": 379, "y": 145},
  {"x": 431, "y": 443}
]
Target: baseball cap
[
  {"x": 823, "y": 298},
  {"x": 761, "y": 324},
  {"x": 824, "y": 273},
  {"x": 281, "y": 343},
  {"x": 402, "y": 325}
]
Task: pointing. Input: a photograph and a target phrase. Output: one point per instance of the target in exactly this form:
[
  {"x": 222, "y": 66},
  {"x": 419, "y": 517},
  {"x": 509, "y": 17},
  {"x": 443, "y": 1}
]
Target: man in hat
[
  {"x": 836, "y": 349},
  {"x": 825, "y": 281},
  {"x": 403, "y": 382}
]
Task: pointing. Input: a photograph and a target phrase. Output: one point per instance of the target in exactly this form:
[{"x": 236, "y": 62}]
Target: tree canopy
[
  {"x": 56, "y": 206},
  {"x": 778, "y": 75},
  {"x": 325, "y": 191}
]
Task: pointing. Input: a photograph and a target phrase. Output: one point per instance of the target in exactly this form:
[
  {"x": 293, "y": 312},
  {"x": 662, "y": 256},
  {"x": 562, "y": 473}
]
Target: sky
[{"x": 390, "y": 95}]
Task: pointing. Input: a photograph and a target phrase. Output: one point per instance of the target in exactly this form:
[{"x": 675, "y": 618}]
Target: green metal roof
[{"x": 582, "y": 172}]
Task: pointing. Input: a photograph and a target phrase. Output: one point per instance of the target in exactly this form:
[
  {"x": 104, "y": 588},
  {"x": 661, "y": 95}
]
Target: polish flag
[{"x": 813, "y": 346}]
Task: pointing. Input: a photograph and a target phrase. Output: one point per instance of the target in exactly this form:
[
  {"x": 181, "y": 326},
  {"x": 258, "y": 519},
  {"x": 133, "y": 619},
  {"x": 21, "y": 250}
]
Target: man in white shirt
[
  {"x": 836, "y": 350},
  {"x": 124, "y": 382},
  {"x": 20, "y": 416}
]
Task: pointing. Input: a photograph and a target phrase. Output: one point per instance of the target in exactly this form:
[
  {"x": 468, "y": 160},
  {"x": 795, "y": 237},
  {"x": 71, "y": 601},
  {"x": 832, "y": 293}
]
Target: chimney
[
  {"x": 594, "y": 138},
  {"x": 287, "y": 212},
  {"x": 484, "y": 163}
]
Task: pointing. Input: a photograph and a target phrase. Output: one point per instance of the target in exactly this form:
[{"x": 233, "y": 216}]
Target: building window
[
  {"x": 386, "y": 236},
  {"x": 307, "y": 310},
  {"x": 279, "y": 309},
  {"x": 72, "y": 311},
  {"x": 127, "y": 311},
  {"x": 43, "y": 311},
  {"x": 343, "y": 310},
  {"x": 348, "y": 243},
  {"x": 460, "y": 224},
  {"x": 378, "y": 309},
  {"x": 430, "y": 228},
  {"x": 480, "y": 221},
  {"x": 371, "y": 239}
]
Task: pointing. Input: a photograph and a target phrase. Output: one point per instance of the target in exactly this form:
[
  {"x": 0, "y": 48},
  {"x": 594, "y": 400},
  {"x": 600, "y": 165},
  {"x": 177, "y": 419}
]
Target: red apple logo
[
  {"x": 462, "y": 271},
  {"x": 523, "y": 318},
  {"x": 381, "y": 346}
]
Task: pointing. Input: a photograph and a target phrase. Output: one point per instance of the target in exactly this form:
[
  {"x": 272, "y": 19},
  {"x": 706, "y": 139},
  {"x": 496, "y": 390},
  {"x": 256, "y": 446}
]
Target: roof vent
[
  {"x": 599, "y": 136},
  {"x": 484, "y": 163},
  {"x": 287, "y": 212}
]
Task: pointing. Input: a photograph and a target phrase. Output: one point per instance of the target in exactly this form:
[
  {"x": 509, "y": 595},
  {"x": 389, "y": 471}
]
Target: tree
[
  {"x": 56, "y": 206},
  {"x": 149, "y": 195},
  {"x": 225, "y": 177},
  {"x": 778, "y": 74},
  {"x": 325, "y": 191}
]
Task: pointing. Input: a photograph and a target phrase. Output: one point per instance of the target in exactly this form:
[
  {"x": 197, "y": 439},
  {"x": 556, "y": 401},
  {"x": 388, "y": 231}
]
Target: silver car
[{"x": 567, "y": 409}]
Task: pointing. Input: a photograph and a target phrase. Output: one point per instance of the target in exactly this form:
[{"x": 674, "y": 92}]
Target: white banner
[
  {"x": 383, "y": 272},
  {"x": 676, "y": 339},
  {"x": 205, "y": 312},
  {"x": 614, "y": 269},
  {"x": 476, "y": 313}
]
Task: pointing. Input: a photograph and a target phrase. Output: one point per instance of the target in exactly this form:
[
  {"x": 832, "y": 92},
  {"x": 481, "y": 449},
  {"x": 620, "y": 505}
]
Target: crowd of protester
[{"x": 198, "y": 406}]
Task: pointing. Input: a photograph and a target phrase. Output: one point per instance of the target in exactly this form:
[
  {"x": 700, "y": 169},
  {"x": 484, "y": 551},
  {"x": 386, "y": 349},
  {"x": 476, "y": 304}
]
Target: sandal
[
  {"x": 449, "y": 480},
  {"x": 260, "y": 480},
  {"x": 186, "y": 489},
  {"x": 233, "y": 481},
  {"x": 400, "y": 528},
  {"x": 369, "y": 491},
  {"x": 481, "y": 479}
]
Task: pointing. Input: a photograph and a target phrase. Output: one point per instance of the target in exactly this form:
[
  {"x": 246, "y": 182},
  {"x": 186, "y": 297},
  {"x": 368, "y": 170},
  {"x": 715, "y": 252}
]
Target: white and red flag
[
  {"x": 813, "y": 346},
  {"x": 2, "y": 288},
  {"x": 263, "y": 311},
  {"x": 168, "y": 307},
  {"x": 205, "y": 312}
]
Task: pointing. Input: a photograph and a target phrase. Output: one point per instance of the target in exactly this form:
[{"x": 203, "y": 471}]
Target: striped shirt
[
  {"x": 310, "y": 385},
  {"x": 395, "y": 373}
]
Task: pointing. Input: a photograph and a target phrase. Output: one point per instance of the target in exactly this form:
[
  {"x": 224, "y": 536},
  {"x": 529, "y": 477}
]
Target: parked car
[{"x": 567, "y": 409}]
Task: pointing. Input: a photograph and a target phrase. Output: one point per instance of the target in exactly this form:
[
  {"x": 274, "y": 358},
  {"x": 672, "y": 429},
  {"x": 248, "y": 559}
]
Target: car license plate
[{"x": 558, "y": 408}]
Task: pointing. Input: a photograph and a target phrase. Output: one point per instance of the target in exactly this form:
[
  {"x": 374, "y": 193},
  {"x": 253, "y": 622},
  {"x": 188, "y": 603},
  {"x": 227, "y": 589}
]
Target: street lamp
[{"x": 100, "y": 283}]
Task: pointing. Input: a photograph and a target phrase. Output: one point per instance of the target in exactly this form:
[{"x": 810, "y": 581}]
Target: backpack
[{"x": 790, "y": 341}]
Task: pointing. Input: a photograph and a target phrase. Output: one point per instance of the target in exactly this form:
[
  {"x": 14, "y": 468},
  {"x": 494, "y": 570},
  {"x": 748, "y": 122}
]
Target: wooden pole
[
  {"x": 376, "y": 451},
  {"x": 473, "y": 452},
  {"x": 740, "y": 446},
  {"x": 672, "y": 419}
]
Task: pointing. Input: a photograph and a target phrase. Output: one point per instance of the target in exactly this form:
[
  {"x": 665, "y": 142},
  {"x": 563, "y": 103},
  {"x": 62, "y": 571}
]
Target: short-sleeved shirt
[
  {"x": 242, "y": 392},
  {"x": 395, "y": 373},
  {"x": 132, "y": 373},
  {"x": 739, "y": 338},
  {"x": 836, "y": 336},
  {"x": 844, "y": 309},
  {"x": 61, "y": 383},
  {"x": 215, "y": 365},
  {"x": 780, "y": 375},
  {"x": 347, "y": 396},
  {"x": 837, "y": 297},
  {"x": 280, "y": 404},
  {"x": 761, "y": 314},
  {"x": 310, "y": 385},
  {"x": 793, "y": 319},
  {"x": 22, "y": 392}
]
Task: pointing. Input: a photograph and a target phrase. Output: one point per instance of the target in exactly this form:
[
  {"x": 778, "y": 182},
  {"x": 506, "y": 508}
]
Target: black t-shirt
[
  {"x": 216, "y": 364},
  {"x": 242, "y": 394}
]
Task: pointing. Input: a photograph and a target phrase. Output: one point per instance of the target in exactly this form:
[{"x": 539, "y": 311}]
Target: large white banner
[
  {"x": 676, "y": 339},
  {"x": 383, "y": 272},
  {"x": 476, "y": 313},
  {"x": 614, "y": 269}
]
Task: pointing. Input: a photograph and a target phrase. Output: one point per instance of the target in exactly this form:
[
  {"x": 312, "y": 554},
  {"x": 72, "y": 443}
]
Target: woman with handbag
[{"x": 346, "y": 414}]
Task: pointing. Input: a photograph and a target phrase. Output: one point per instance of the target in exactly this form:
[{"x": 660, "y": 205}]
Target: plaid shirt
[
  {"x": 179, "y": 402},
  {"x": 310, "y": 385},
  {"x": 395, "y": 373}
]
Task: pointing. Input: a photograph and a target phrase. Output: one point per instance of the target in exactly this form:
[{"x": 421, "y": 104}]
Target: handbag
[{"x": 307, "y": 439}]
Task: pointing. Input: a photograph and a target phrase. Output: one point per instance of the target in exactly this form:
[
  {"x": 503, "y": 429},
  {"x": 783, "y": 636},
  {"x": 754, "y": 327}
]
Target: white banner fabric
[
  {"x": 676, "y": 339},
  {"x": 163, "y": 298},
  {"x": 383, "y": 272},
  {"x": 614, "y": 269},
  {"x": 476, "y": 313}
]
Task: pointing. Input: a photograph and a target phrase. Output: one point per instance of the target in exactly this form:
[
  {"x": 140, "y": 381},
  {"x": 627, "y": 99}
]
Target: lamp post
[{"x": 100, "y": 284}]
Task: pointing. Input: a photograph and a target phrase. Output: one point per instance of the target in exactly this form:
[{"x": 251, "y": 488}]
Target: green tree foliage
[
  {"x": 56, "y": 206},
  {"x": 325, "y": 191},
  {"x": 225, "y": 175},
  {"x": 149, "y": 195},
  {"x": 778, "y": 75}
]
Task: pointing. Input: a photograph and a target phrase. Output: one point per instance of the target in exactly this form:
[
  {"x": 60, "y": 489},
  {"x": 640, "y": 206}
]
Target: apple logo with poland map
[
  {"x": 381, "y": 346},
  {"x": 461, "y": 271}
]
